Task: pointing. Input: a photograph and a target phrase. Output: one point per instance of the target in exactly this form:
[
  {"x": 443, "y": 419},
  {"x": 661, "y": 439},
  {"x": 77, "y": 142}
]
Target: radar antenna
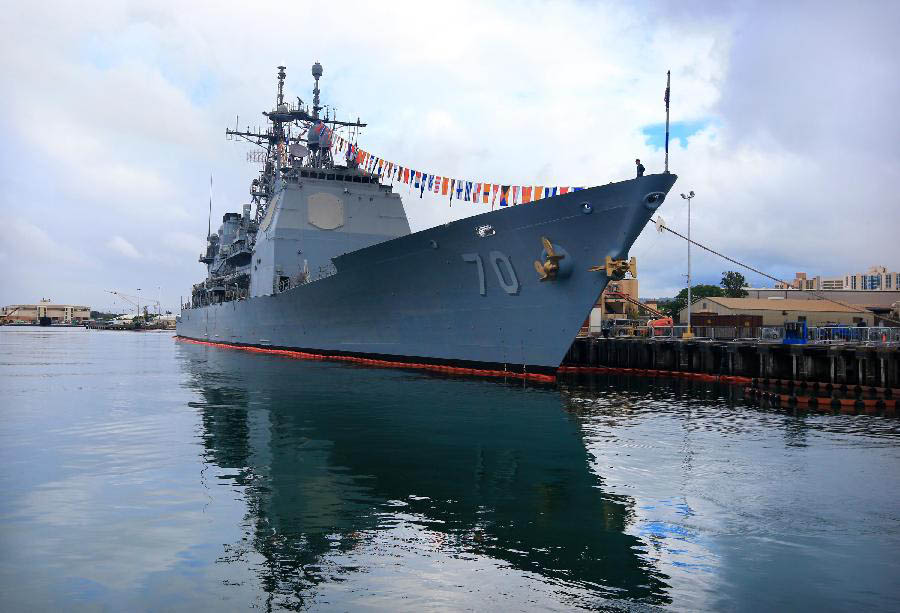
[
  {"x": 281, "y": 75},
  {"x": 316, "y": 73}
]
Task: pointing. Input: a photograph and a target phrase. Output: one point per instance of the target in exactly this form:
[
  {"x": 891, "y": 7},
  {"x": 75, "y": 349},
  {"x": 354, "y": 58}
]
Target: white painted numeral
[
  {"x": 511, "y": 287},
  {"x": 506, "y": 278},
  {"x": 474, "y": 257}
]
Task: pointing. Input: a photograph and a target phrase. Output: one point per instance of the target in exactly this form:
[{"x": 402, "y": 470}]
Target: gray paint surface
[{"x": 444, "y": 293}]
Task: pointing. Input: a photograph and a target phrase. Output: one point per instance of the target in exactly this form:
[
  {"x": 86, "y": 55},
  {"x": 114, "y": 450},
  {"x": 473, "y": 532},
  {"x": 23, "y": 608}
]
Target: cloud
[
  {"x": 123, "y": 247},
  {"x": 115, "y": 125},
  {"x": 26, "y": 242},
  {"x": 184, "y": 242},
  {"x": 40, "y": 264}
]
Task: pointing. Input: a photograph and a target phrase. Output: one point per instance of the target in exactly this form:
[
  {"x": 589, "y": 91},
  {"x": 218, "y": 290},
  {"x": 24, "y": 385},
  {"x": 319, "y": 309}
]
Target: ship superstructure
[
  {"x": 291, "y": 237},
  {"x": 322, "y": 259}
]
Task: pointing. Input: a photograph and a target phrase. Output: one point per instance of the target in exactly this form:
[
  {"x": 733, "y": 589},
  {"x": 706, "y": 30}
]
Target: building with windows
[
  {"x": 46, "y": 312},
  {"x": 801, "y": 281},
  {"x": 612, "y": 302},
  {"x": 877, "y": 278},
  {"x": 880, "y": 303},
  {"x": 778, "y": 311}
]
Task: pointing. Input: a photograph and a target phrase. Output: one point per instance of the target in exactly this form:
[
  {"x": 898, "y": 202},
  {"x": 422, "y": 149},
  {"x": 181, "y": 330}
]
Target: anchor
[
  {"x": 550, "y": 266},
  {"x": 616, "y": 269}
]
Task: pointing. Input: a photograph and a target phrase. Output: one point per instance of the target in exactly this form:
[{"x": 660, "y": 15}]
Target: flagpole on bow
[{"x": 668, "y": 84}]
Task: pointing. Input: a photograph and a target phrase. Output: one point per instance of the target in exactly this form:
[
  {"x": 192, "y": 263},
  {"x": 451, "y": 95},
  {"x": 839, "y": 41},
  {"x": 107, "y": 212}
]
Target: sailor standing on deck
[{"x": 640, "y": 168}]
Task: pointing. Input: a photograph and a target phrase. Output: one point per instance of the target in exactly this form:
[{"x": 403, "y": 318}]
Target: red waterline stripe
[
  {"x": 453, "y": 370},
  {"x": 478, "y": 372},
  {"x": 649, "y": 372}
]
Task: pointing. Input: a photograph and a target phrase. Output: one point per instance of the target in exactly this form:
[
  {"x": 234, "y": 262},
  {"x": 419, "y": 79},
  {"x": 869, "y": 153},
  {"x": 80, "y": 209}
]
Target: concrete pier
[{"x": 837, "y": 364}]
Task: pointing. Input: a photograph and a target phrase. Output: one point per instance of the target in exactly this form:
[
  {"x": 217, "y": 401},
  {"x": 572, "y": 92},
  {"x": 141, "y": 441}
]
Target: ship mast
[
  {"x": 274, "y": 139},
  {"x": 316, "y": 73}
]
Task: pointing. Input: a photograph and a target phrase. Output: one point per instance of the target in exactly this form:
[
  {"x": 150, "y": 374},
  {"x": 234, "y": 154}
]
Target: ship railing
[
  {"x": 304, "y": 278},
  {"x": 771, "y": 334},
  {"x": 666, "y": 332},
  {"x": 833, "y": 335},
  {"x": 710, "y": 333},
  {"x": 822, "y": 335},
  {"x": 854, "y": 335},
  {"x": 322, "y": 273}
]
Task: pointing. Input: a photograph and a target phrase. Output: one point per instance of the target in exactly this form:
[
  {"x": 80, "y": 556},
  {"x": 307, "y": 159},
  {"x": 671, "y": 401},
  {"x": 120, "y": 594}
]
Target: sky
[{"x": 784, "y": 124}]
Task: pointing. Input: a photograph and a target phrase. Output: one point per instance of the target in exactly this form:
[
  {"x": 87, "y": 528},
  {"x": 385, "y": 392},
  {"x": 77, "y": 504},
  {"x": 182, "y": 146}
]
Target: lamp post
[{"x": 689, "y": 334}]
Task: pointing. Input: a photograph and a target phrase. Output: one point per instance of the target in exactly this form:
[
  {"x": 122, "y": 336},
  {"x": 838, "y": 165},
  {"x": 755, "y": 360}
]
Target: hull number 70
[{"x": 503, "y": 268}]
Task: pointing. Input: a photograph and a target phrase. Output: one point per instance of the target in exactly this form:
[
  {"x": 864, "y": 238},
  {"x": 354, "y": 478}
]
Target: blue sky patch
[{"x": 655, "y": 133}]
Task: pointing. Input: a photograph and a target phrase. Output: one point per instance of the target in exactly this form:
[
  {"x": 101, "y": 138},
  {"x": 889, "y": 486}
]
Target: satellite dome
[
  {"x": 317, "y": 70},
  {"x": 312, "y": 138},
  {"x": 319, "y": 135}
]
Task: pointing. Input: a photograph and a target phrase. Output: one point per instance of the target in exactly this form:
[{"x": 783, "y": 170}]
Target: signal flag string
[{"x": 662, "y": 226}]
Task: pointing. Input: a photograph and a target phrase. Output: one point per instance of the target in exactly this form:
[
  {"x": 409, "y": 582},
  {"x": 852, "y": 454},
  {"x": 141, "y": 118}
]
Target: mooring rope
[{"x": 853, "y": 307}]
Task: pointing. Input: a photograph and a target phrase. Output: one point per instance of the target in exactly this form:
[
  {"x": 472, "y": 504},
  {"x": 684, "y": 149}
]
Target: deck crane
[
  {"x": 136, "y": 301},
  {"x": 663, "y": 321},
  {"x": 637, "y": 303},
  {"x": 7, "y": 317}
]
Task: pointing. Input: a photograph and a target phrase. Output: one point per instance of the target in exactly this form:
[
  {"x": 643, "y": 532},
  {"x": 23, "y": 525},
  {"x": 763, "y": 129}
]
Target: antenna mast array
[
  {"x": 276, "y": 140},
  {"x": 316, "y": 73}
]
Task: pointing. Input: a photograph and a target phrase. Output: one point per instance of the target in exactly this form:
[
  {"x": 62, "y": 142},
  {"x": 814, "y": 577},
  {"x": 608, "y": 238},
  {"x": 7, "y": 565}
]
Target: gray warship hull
[{"x": 465, "y": 292}]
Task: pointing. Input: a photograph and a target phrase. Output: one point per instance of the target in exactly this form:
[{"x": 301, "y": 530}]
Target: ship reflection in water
[
  {"x": 140, "y": 473},
  {"x": 383, "y": 487},
  {"x": 413, "y": 489}
]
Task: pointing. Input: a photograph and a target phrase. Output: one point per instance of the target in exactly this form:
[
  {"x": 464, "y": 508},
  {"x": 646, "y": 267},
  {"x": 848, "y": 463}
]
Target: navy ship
[{"x": 322, "y": 260}]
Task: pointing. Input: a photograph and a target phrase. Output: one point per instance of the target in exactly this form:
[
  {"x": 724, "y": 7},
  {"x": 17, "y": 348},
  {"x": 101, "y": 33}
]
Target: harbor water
[{"x": 143, "y": 473}]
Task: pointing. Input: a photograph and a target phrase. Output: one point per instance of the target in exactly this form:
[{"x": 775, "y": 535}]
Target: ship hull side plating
[{"x": 447, "y": 294}]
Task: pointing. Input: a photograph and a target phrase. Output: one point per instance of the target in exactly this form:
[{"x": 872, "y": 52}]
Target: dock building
[
  {"x": 778, "y": 311},
  {"x": 884, "y": 304},
  {"x": 614, "y": 303},
  {"x": 46, "y": 312}
]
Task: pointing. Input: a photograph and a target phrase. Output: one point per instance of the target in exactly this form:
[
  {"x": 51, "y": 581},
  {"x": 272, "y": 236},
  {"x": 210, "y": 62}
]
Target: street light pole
[{"x": 689, "y": 334}]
